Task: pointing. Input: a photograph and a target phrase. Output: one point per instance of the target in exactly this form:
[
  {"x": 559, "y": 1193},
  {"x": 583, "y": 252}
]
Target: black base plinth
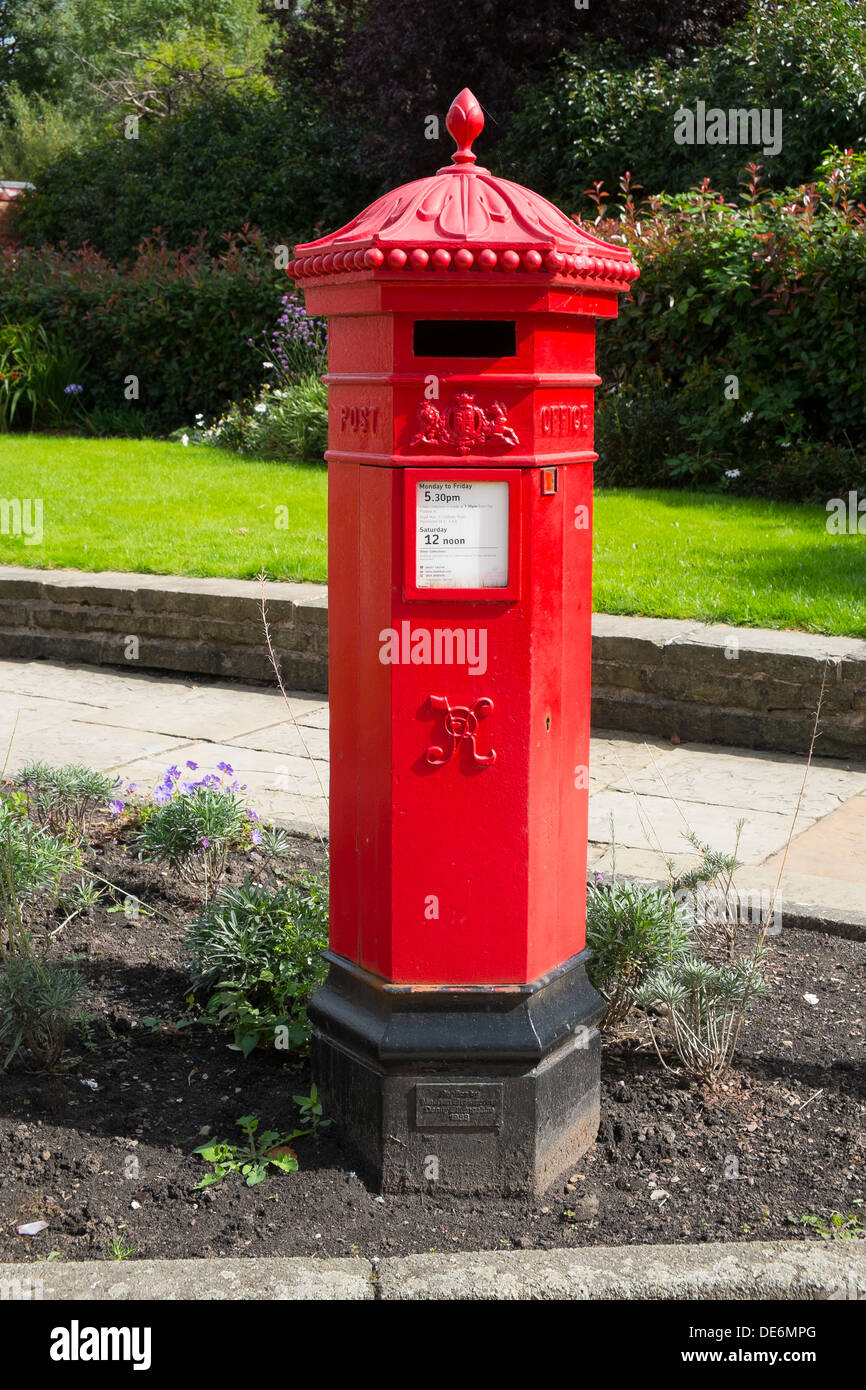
[{"x": 461, "y": 1090}]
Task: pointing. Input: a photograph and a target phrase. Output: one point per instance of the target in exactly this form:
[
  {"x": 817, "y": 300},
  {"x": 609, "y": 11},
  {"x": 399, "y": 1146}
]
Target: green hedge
[
  {"x": 239, "y": 159},
  {"x": 742, "y": 349},
  {"x": 179, "y": 321},
  {"x": 604, "y": 115}
]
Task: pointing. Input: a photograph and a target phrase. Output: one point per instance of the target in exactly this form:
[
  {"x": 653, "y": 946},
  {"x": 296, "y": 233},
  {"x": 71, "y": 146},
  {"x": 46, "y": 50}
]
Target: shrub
[
  {"x": 62, "y": 798},
  {"x": 194, "y": 825},
  {"x": 37, "y": 1004},
  {"x": 37, "y": 130},
  {"x": 704, "y": 1008},
  {"x": 631, "y": 930},
  {"x": 738, "y": 362},
  {"x": 179, "y": 322},
  {"x": 37, "y": 997},
  {"x": 297, "y": 426},
  {"x": 232, "y": 159},
  {"x": 258, "y": 952},
  {"x": 289, "y": 422},
  {"x": 297, "y": 346}
]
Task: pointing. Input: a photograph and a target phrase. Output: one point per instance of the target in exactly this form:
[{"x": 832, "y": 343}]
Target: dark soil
[{"x": 102, "y": 1150}]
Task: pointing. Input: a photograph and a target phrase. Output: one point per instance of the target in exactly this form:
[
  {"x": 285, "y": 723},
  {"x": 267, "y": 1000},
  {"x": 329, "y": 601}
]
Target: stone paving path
[{"x": 136, "y": 724}]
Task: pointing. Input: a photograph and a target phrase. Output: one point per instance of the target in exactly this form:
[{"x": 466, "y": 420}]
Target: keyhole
[{"x": 547, "y": 723}]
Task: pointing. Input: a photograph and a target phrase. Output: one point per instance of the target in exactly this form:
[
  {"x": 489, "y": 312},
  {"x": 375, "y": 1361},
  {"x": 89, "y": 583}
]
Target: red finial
[{"x": 464, "y": 122}]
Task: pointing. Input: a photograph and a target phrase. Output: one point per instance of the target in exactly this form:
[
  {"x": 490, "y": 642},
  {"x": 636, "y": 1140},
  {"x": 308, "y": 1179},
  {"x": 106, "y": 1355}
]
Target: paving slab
[
  {"x": 100, "y": 746},
  {"x": 618, "y": 755},
  {"x": 660, "y": 823},
  {"x": 839, "y": 839},
  {"x": 639, "y": 863},
  {"x": 298, "y": 739},
  {"x": 695, "y": 773},
  {"x": 187, "y": 717},
  {"x": 79, "y": 684}
]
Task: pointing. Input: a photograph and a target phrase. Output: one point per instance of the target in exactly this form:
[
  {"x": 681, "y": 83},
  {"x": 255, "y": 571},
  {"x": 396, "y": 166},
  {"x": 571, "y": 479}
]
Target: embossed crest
[{"x": 464, "y": 425}]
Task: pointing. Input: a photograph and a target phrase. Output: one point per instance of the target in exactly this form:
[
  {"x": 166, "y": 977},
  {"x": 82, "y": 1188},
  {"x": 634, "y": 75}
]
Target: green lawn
[
  {"x": 141, "y": 504},
  {"x": 721, "y": 559},
  {"x": 163, "y": 508}
]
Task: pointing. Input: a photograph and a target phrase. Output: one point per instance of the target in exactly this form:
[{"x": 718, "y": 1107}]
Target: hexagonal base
[{"x": 492, "y": 1090}]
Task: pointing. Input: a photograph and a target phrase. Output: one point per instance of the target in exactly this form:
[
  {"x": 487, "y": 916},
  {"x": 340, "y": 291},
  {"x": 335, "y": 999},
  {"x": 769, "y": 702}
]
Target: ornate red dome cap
[{"x": 464, "y": 219}]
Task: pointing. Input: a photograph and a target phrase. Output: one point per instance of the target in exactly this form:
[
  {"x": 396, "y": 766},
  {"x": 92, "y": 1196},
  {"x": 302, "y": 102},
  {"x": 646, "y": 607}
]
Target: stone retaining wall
[
  {"x": 197, "y": 626},
  {"x": 743, "y": 686},
  {"x": 751, "y": 687}
]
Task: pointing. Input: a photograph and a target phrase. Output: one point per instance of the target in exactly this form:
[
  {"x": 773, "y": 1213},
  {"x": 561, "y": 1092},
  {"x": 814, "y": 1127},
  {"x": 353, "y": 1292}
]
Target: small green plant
[
  {"x": 836, "y": 1226},
  {"x": 311, "y": 1109},
  {"x": 38, "y": 1001},
  {"x": 706, "y": 890},
  {"x": 37, "y": 997},
  {"x": 80, "y": 896},
  {"x": 704, "y": 1006},
  {"x": 194, "y": 825},
  {"x": 258, "y": 952},
  {"x": 119, "y": 1248},
  {"x": 62, "y": 798},
  {"x": 253, "y": 1158},
  {"x": 273, "y": 845},
  {"x": 631, "y": 929},
  {"x": 32, "y": 861},
  {"x": 88, "y": 1041}
]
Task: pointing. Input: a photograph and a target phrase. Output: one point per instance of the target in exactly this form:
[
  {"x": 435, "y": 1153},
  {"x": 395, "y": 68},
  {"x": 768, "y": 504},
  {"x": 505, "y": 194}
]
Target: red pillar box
[{"x": 456, "y": 1040}]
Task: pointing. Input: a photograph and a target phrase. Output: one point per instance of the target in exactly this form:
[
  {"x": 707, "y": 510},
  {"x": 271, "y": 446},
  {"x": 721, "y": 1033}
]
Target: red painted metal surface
[{"x": 460, "y": 720}]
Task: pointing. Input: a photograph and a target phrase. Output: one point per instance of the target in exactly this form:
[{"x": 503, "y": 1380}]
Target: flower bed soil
[{"x": 781, "y": 1138}]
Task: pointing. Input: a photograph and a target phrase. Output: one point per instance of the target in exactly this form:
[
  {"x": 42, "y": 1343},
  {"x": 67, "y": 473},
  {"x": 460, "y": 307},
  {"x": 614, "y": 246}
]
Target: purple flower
[
  {"x": 193, "y": 767},
  {"x": 204, "y": 842},
  {"x": 256, "y": 837},
  {"x": 162, "y": 794},
  {"x": 227, "y": 768},
  {"x": 117, "y": 808},
  {"x": 73, "y": 390}
]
